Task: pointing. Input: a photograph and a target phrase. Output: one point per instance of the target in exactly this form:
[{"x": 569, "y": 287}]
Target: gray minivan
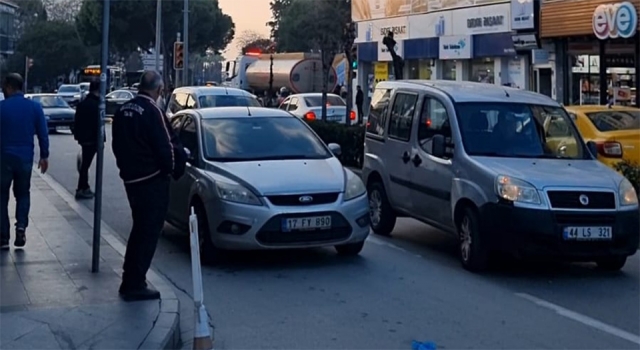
[{"x": 502, "y": 169}]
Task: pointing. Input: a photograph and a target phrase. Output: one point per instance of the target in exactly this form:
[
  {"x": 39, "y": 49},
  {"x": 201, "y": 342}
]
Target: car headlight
[
  {"x": 353, "y": 186},
  {"x": 236, "y": 193},
  {"x": 516, "y": 190},
  {"x": 76, "y": 96},
  {"x": 627, "y": 193}
]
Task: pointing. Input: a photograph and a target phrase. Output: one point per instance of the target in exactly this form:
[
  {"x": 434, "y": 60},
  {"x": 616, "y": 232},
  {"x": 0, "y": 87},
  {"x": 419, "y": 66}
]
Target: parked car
[
  {"x": 260, "y": 178},
  {"x": 475, "y": 160},
  {"x": 615, "y": 130},
  {"x": 196, "y": 97},
  {"x": 57, "y": 112},
  {"x": 309, "y": 107},
  {"x": 71, "y": 93},
  {"x": 115, "y": 100}
]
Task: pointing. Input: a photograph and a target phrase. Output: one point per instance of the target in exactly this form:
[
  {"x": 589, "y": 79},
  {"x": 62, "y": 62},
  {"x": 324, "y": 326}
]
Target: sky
[{"x": 247, "y": 15}]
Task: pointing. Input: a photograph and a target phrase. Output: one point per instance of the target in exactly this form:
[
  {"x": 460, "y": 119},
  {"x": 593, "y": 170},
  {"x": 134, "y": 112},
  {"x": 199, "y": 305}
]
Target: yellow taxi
[{"x": 615, "y": 129}]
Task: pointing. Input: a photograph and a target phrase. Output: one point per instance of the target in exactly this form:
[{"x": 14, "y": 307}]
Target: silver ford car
[{"x": 260, "y": 178}]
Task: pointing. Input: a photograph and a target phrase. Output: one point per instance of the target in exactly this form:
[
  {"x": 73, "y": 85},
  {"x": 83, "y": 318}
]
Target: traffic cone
[{"x": 202, "y": 335}]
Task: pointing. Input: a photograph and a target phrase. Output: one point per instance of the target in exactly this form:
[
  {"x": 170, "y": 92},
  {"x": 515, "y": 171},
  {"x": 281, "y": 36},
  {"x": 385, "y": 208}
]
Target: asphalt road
[{"x": 409, "y": 287}]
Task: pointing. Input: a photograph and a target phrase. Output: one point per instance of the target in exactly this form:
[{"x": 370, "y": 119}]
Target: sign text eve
[{"x": 488, "y": 21}]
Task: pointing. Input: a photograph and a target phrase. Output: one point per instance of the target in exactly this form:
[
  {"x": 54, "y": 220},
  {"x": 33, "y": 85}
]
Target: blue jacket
[{"x": 20, "y": 120}]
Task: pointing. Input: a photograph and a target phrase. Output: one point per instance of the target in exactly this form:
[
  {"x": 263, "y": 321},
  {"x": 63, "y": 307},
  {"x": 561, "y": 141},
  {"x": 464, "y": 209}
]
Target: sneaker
[
  {"x": 84, "y": 194},
  {"x": 4, "y": 243},
  {"x": 21, "y": 238}
]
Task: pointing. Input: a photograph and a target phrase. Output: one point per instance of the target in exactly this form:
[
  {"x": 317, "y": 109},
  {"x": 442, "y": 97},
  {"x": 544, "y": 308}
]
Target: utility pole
[
  {"x": 177, "y": 84},
  {"x": 26, "y": 73},
  {"x": 158, "y": 33},
  {"x": 185, "y": 72},
  {"x": 97, "y": 210}
]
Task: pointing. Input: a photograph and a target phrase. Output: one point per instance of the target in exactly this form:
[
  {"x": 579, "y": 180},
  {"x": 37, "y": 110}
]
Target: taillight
[
  {"x": 310, "y": 116},
  {"x": 610, "y": 149},
  {"x": 352, "y": 115}
]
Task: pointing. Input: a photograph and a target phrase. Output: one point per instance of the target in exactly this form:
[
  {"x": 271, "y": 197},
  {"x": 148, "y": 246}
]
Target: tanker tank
[{"x": 297, "y": 73}]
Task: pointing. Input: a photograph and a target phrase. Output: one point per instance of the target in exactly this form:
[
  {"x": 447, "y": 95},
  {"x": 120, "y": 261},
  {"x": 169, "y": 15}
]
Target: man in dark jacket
[
  {"x": 147, "y": 153},
  {"x": 85, "y": 131},
  {"x": 359, "y": 103}
]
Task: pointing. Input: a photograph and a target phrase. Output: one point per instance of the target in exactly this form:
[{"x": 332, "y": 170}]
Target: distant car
[
  {"x": 198, "y": 97},
  {"x": 309, "y": 107},
  {"x": 615, "y": 130},
  {"x": 72, "y": 94},
  {"x": 259, "y": 178},
  {"x": 57, "y": 112},
  {"x": 116, "y": 99},
  {"x": 84, "y": 88}
]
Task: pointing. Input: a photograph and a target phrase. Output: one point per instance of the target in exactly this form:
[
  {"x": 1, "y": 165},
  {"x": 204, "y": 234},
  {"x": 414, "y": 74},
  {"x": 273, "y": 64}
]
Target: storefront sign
[
  {"x": 380, "y": 72},
  {"x": 455, "y": 47},
  {"x": 401, "y": 30},
  {"x": 375, "y": 30},
  {"x": 540, "y": 56},
  {"x": 431, "y": 25},
  {"x": 522, "y": 14},
  {"x": 525, "y": 42},
  {"x": 383, "y": 53},
  {"x": 366, "y": 10},
  {"x": 615, "y": 21},
  {"x": 482, "y": 20}
]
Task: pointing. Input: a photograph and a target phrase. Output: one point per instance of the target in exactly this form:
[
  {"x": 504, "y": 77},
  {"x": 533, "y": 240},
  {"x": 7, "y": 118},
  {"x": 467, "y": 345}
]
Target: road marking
[
  {"x": 586, "y": 320},
  {"x": 378, "y": 241}
]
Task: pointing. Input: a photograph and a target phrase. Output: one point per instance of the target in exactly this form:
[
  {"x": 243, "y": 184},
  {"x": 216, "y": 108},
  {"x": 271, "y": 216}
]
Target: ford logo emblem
[
  {"x": 584, "y": 200},
  {"x": 305, "y": 199}
]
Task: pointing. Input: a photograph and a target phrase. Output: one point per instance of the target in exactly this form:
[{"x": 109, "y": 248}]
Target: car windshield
[
  {"x": 518, "y": 130},
  {"x": 253, "y": 139},
  {"x": 50, "y": 101},
  {"x": 613, "y": 120},
  {"x": 316, "y": 101},
  {"x": 69, "y": 88},
  {"x": 228, "y": 101}
]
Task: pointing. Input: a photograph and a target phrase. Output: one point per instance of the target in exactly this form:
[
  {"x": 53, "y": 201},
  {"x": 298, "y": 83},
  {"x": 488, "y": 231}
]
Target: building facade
[
  {"x": 487, "y": 41},
  {"x": 8, "y": 14},
  {"x": 592, "y": 50}
]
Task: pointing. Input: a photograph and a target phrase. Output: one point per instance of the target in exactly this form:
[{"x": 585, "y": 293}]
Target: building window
[
  {"x": 482, "y": 71},
  {"x": 449, "y": 70},
  {"x": 419, "y": 69}
]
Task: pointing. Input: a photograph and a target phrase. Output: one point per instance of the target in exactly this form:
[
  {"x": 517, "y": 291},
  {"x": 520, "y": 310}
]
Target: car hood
[
  {"x": 287, "y": 176},
  {"x": 553, "y": 172},
  {"x": 59, "y": 112}
]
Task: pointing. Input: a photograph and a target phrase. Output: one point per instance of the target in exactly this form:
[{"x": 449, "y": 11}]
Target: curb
[{"x": 165, "y": 333}]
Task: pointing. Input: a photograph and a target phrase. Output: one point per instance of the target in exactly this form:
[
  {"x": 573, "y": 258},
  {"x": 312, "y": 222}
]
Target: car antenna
[
  {"x": 506, "y": 93},
  {"x": 249, "y": 111}
]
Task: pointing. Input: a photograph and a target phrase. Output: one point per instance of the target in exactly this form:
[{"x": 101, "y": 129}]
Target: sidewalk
[{"x": 49, "y": 299}]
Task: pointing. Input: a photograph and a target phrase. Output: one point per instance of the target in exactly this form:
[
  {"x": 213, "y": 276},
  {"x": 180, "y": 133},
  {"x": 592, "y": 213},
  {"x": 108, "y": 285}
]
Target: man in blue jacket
[{"x": 20, "y": 120}]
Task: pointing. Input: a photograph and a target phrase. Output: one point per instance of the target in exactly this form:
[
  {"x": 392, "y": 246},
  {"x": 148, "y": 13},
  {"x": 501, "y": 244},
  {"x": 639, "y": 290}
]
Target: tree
[
  {"x": 315, "y": 26},
  {"x": 62, "y": 10},
  {"x": 30, "y": 12},
  {"x": 47, "y": 40},
  {"x": 209, "y": 27},
  {"x": 251, "y": 39},
  {"x": 277, "y": 7}
]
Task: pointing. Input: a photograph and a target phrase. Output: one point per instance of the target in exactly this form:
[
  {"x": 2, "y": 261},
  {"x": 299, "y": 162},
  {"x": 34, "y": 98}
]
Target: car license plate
[
  {"x": 598, "y": 233},
  {"x": 62, "y": 128},
  {"x": 310, "y": 223}
]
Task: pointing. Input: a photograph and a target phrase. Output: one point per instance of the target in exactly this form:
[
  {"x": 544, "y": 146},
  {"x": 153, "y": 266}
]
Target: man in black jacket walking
[
  {"x": 147, "y": 153},
  {"x": 85, "y": 131},
  {"x": 359, "y": 103}
]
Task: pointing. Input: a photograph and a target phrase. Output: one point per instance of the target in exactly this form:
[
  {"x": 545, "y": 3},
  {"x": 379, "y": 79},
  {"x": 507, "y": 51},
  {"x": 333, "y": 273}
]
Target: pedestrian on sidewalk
[
  {"x": 147, "y": 153},
  {"x": 359, "y": 103},
  {"x": 85, "y": 131},
  {"x": 20, "y": 120}
]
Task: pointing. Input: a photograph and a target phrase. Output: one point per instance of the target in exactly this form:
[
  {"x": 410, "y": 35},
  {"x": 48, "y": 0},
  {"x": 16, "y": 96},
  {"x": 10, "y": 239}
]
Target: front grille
[
  {"x": 584, "y": 219},
  {"x": 295, "y": 200},
  {"x": 571, "y": 200},
  {"x": 271, "y": 233}
]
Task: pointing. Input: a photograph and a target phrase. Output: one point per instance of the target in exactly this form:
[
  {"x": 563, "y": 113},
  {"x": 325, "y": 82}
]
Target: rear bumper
[
  {"x": 52, "y": 123},
  {"x": 538, "y": 233}
]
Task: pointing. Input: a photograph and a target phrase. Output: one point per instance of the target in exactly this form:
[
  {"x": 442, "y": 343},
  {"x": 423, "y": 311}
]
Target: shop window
[
  {"x": 449, "y": 70},
  {"x": 414, "y": 69},
  {"x": 482, "y": 71}
]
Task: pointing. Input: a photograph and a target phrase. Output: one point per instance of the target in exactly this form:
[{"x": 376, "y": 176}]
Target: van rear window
[
  {"x": 615, "y": 120},
  {"x": 378, "y": 112}
]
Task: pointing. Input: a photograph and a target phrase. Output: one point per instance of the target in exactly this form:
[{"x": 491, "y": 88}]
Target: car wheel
[
  {"x": 473, "y": 254},
  {"x": 350, "y": 249},
  {"x": 209, "y": 253},
  {"x": 613, "y": 263},
  {"x": 382, "y": 216}
]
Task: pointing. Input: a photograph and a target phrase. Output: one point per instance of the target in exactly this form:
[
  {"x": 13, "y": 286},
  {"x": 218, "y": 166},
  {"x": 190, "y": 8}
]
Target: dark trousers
[
  {"x": 88, "y": 152},
  {"x": 149, "y": 201},
  {"x": 360, "y": 114},
  {"x": 17, "y": 171}
]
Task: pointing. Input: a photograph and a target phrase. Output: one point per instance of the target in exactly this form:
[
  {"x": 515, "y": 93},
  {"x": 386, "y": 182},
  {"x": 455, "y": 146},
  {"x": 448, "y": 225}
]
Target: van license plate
[
  {"x": 597, "y": 233},
  {"x": 64, "y": 127},
  {"x": 310, "y": 223}
]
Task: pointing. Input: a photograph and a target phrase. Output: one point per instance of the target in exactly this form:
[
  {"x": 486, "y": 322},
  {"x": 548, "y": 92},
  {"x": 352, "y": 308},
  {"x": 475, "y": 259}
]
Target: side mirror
[
  {"x": 335, "y": 149},
  {"x": 227, "y": 67},
  {"x": 593, "y": 148},
  {"x": 438, "y": 146}
]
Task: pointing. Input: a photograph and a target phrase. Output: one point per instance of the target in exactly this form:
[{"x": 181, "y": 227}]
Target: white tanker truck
[{"x": 298, "y": 72}]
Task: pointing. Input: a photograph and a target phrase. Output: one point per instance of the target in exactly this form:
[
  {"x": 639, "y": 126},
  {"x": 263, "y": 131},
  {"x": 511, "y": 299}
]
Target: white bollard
[{"x": 202, "y": 335}]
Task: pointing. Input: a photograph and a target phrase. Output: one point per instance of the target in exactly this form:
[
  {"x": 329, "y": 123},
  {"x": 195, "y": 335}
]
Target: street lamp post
[
  {"x": 158, "y": 33},
  {"x": 185, "y": 73},
  {"x": 97, "y": 210}
]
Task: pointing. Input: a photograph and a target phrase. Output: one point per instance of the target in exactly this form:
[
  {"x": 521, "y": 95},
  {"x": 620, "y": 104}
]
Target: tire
[
  {"x": 613, "y": 263},
  {"x": 209, "y": 253},
  {"x": 351, "y": 249},
  {"x": 381, "y": 214},
  {"x": 474, "y": 256}
]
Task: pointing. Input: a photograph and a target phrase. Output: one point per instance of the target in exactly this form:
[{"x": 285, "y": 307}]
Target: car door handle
[
  {"x": 417, "y": 160},
  {"x": 406, "y": 157}
]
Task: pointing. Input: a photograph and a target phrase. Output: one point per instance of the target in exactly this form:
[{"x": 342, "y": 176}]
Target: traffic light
[
  {"x": 30, "y": 62},
  {"x": 354, "y": 57},
  {"x": 178, "y": 55}
]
